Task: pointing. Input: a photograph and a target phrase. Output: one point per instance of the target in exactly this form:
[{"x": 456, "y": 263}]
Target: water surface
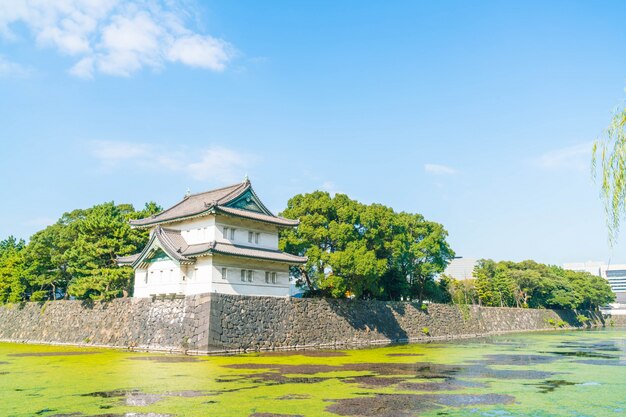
[{"x": 579, "y": 373}]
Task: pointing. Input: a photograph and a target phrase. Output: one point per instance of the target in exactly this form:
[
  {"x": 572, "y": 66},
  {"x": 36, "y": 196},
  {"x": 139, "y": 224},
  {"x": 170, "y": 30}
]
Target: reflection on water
[{"x": 581, "y": 373}]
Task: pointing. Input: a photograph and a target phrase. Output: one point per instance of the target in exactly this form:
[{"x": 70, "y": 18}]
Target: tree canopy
[
  {"x": 365, "y": 251},
  {"x": 535, "y": 285},
  {"x": 75, "y": 256}
]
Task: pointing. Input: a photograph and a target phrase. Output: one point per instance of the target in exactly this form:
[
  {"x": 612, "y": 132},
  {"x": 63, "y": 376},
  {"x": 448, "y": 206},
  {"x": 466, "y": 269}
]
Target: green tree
[
  {"x": 535, "y": 285},
  {"x": 363, "y": 250},
  {"x": 102, "y": 234},
  {"x": 14, "y": 286},
  {"x": 420, "y": 251},
  {"x": 75, "y": 256}
]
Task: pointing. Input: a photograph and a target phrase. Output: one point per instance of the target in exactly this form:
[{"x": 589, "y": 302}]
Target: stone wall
[
  {"x": 616, "y": 320},
  {"x": 253, "y": 323},
  {"x": 172, "y": 324},
  {"x": 218, "y": 323}
]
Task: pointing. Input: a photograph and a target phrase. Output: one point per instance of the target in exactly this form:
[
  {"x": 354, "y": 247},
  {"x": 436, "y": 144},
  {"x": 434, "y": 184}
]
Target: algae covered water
[{"x": 578, "y": 373}]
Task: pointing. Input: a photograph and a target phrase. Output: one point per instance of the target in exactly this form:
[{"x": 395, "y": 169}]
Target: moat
[{"x": 568, "y": 373}]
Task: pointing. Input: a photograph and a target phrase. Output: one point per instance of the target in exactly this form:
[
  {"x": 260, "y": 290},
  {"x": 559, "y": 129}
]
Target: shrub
[
  {"x": 426, "y": 331},
  {"x": 561, "y": 323},
  {"x": 39, "y": 296},
  {"x": 582, "y": 319}
]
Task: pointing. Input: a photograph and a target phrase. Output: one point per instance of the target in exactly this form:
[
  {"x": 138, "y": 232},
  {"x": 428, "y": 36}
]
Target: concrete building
[
  {"x": 614, "y": 273},
  {"x": 223, "y": 241},
  {"x": 461, "y": 268}
]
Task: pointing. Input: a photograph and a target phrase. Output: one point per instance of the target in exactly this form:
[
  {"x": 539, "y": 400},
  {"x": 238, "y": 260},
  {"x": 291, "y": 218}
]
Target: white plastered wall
[
  {"x": 198, "y": 230},
  {"x": 268, "y": 234},
  {"x": 233, "y": 283},
  {"x": 199, "y": 278},
  {"x": 161, "y": 277}
]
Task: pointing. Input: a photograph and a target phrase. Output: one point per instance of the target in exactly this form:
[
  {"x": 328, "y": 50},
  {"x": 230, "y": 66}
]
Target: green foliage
[
  {"x": 74, "y": 257},
  {"x": 13, "y": 283},
  {"x": 561, "y": 323},
  {"x": 462, "y": 292},
  {"x": 535, "y": 285},
  {"x": 426, "y": 331},
  {"x": 551, "y": 322},
  {"x": 582, "y": 319},
  {"x": 610, "y": 152},
  {"x": 364, "y": 251}
]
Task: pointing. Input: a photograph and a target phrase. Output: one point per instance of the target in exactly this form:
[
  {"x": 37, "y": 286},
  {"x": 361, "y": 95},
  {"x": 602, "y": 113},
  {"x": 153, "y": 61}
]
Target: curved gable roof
[{"x": 229, "y": 200}]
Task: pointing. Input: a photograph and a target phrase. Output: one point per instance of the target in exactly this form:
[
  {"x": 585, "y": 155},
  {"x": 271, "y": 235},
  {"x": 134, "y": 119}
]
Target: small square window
[
  {"x": 267, "y": 278},
  {"x": 225, "y": 235},
  {"x": 250, "y": 276},
  {"x": 250, "y": 234},
  {"x": 243, "y": 275},
  {"x": 256, "y": 237},
  {"x": 232, "y": 234},
  {"x": 224, "y": 273},
  {"x": 274, "y": 277}
]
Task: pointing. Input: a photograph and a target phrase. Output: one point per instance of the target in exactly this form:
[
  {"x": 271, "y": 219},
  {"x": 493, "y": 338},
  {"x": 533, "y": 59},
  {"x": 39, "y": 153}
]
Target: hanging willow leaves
[{"x": 610, "y": 154}]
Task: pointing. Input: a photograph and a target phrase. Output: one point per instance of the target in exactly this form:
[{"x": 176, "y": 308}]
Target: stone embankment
[
  {"x": 220, "y": 323},
  {"x": 170, "y": 324}
]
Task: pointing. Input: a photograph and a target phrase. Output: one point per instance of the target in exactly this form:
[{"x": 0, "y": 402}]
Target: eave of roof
[
  {"x": 219, "y": 198},
  {"x": 280, "y": 221},
  {"x": 203, "y": 249},
  {"x": 127, "y": 260},
  {"x": 172, "y": 243}
]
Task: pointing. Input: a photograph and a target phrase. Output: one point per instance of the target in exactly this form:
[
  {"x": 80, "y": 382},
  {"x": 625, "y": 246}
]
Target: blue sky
[{"x": 479, "y": 115}]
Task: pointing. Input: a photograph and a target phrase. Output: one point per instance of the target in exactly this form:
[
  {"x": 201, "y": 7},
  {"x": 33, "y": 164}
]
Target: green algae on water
[{"x": 578, "y": 373}]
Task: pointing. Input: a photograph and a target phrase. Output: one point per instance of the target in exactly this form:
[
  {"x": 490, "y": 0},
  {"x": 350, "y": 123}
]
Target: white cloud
[
  {"x": 436, "y": 169},
  {"x": 212, "y": 163},
  {"x": 330, "y": 187},
  {"x": 12, "y": 69},
  {"x": 572, "y": 157},
  {"x": 116, "y": 37}
]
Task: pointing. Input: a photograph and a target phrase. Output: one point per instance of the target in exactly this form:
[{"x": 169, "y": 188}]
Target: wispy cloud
[
  {"x": 436, "y": 169},
  {"x": 116, "y": 37},
  {"x": 576, "y": 157},
  {"x": 211, "y": 163},
  {"x": 330, "y": 187},
  {"x": 12, "y": 69}
]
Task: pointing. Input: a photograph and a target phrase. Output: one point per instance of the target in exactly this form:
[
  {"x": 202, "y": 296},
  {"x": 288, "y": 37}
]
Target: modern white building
[
  {"x": 614, "y": 273},
  {"x": 223, "y": 241},
  {"x": 461, "y": 268}
]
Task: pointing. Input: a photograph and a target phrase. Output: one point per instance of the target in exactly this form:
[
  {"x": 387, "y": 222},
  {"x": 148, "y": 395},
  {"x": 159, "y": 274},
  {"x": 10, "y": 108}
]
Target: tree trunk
[{"x": 305, "y": 274}]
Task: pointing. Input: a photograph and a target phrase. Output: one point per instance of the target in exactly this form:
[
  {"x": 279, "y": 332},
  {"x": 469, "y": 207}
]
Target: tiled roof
[
  {"x": 258, "y": 216},
  {"x": 212, "y": 201},
  {"x": 273, "y": 255},
  {"x": 127, "y": 260},
  {"x": 173, "y": 243},
  {"x": 194, "y": 204}
]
